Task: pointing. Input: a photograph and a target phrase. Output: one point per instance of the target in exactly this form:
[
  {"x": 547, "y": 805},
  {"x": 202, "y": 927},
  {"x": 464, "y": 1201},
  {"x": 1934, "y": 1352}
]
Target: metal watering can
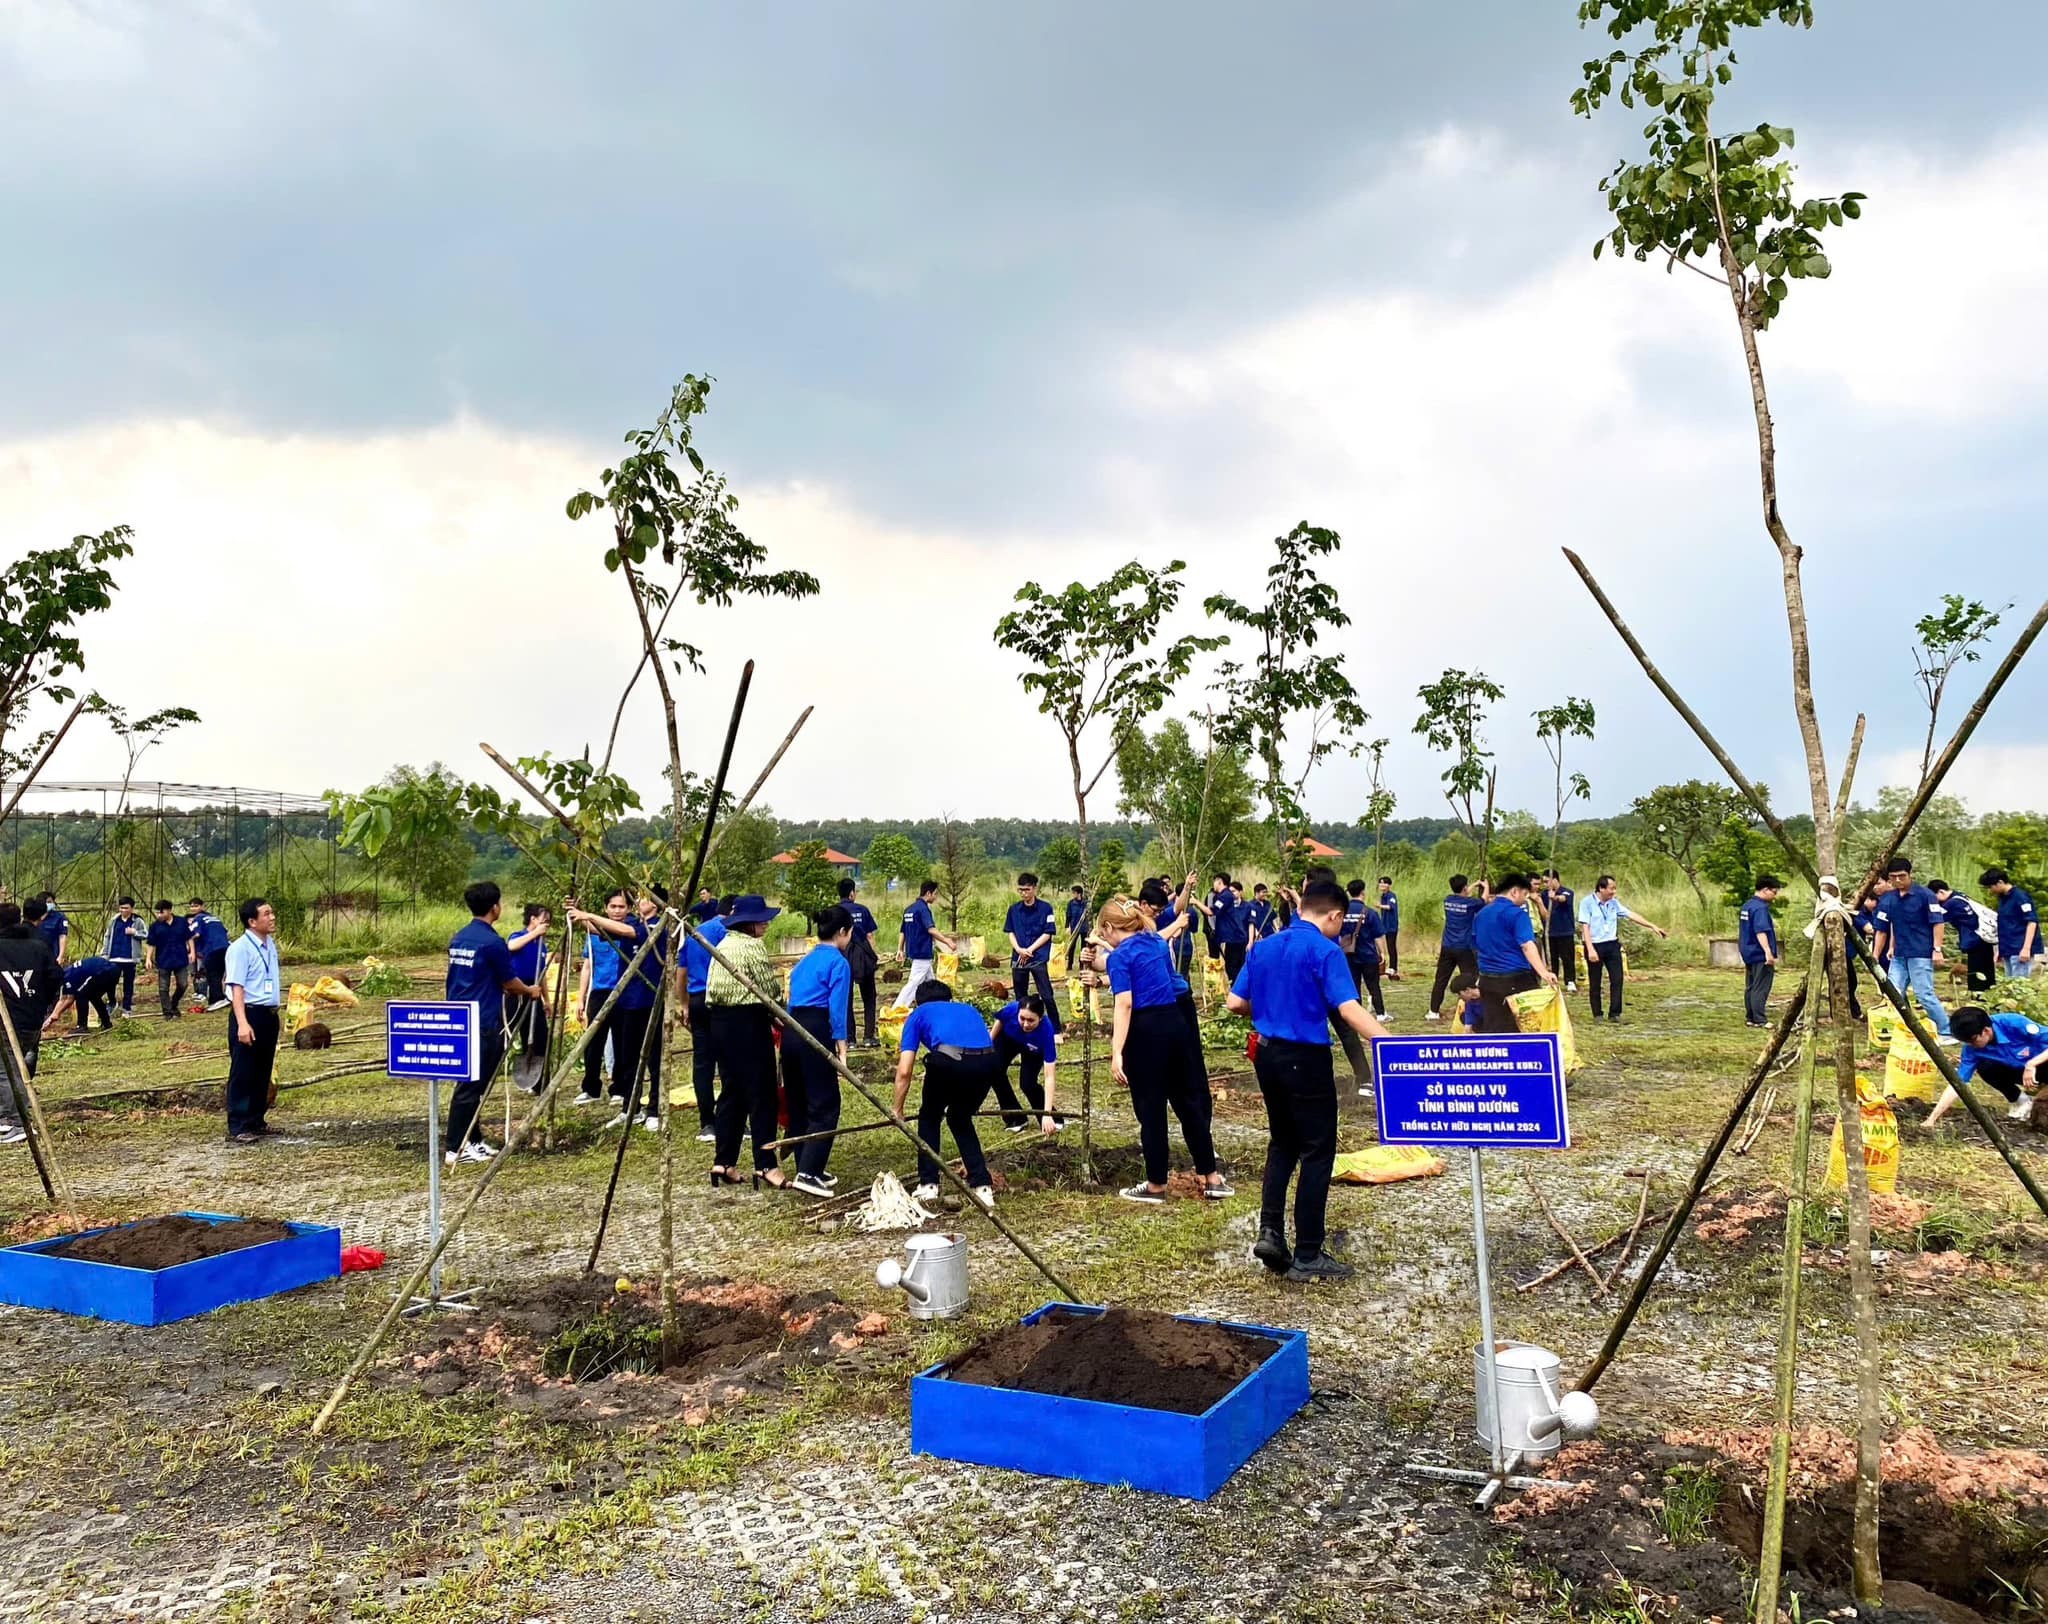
[
  {"x": 1537, "y": 1419},
  {"x": 933, "y": 1275}
]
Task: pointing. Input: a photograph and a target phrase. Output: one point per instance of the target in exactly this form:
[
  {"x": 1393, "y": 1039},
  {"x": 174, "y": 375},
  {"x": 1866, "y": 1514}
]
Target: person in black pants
[
  {"x": 1029, "y": 927},
  {"x": 480, "y": 972},
  {"x": 1455, "y": 957},
  {"x": 1509, "y": 962},
  {"x": 1292, "y": 986},
  {"x": 1361, "y": 940},
  {"x": 821, "y": 1004},
  {"x": 1390, "y": 924},
  {"x": 1558, "y": 903},
  {"x": 960, "y": 1068},
  {"x": 1020, "y": 1031},
  {"x": 1980, "y": 952},
  {"x": 253, "y": 987},
  {"x": 862, "y": 960},
  {"x": 89, "y": 984},
  {"x": 743, "y": 1036}
]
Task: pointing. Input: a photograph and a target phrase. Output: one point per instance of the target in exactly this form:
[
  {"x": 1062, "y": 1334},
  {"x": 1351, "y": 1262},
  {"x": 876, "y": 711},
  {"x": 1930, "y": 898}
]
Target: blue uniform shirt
[
  {"x": 209, "y": 935},
  {"x": 1459, "y": 913},
  {"x": 1390, "y": 913},
  {"x": 124, "y": 937},
  {"x": 1230, "y": 917},
  {"x": 1139, "y": 966},
  {"x": 528, "y": 961},
  {"x": 1259, "y": 916},
  {"x": 171, "y": 941},
  {"x": 705, "y": 912},
  {"x": 863, "y": 922},
  {"x": 1498, "y": 933},
  {"x": 943, "y": 1021},
  {"x": 605, "y": 963},
  {"x": 1025, "y": 923},
  {"x": 2015, "y": 1039},
  {"x": 1362, "y": 923},
  {"x": 697, "y": 956},
  {"x": 1075, "y": 909},
  {"x": 1754, "y": 926},
  {"x": 917, "y": 930},
  {"x": 1964, "y": 917},
  {"x": 54, "y": 926},
  {"x": 1867, "y": 924},
  {"x": 1294, "y": 982},
  {"x": 1912, "y": 917},
  {"x": 479, "y": 965},
  {"x": 639, "y": 992},
  {"x": 77, "y": 975},
  {"x": 1045, "y": 1041},
  {"x": 2015, "y": 914},
  {"x": 1563, "y": 912},
  {"x": 824, "y": 980}
]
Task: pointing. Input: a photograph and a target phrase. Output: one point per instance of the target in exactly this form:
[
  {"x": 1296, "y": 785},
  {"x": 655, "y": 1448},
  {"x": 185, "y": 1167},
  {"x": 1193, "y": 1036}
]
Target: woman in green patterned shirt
[{"x": 742, "y": 1036}]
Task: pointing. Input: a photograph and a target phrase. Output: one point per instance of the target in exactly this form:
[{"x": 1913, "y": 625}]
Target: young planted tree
[
  {"x": 958, "y": 856},
  {"x": 1571, "y": 720},
  {"x": 1944, "y": 640},
  {"x": 420, "y": 818},
  {"x": 1379, "y": 803},
  {"x": 892, "y": 857},
  {"x": 1197, "y": 797},
  {"x": 1680, "y": 821},
  {"x": 1725, "y": 206},
  {"x": 812, "y": 884},
  {"x": 1288, "y": 697},
  {"x": 1453, "y": 721},
  {"x": 1084, "y": 655},
  {"x": 140, "y": 735}
]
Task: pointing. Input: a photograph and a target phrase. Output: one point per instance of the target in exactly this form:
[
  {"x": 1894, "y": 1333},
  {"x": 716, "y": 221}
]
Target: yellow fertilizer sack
[
  {"x": 1880, "y": 1144},
  {"x": 1884, "y": 1022},
  {"x": 946, "y": 966},
  {"x": 329, "y": 990},
  {"x": 1542, "y": 1009},
  {"x": 1219, "y": 983},
  {"x": 298, "y": 1004},
  {"x": 1386, "y": 1164},
  {"x": 1908, "y": 1073}
]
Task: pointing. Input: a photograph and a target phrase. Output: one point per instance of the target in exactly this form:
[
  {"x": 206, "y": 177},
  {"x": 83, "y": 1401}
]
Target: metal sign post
[
  {"x": 436, "y": 1041},
  {"x": 1504, "y": 1092}
]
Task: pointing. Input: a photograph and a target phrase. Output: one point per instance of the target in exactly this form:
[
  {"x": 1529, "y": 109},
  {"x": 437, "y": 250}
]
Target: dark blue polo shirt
[
  {"x": 1390, "y": 913},
  {"x": 1231, "y": 917},
  {"x": 1754, "y": 927},
  {"x": 2015, "y": 914},
  {"x": 1364, "y": 921},
  {"x": 1259, "y": 916},
  {"x": 917, "y": 930},
  {"x": 1459, "y": 913},
  {"x": 1025, "y": 923},
  {"x": 87, "y": 969},
  {"x": 479, "y": 965},
  {"x": 863, "y": 922},
  {"x": 1564, "y": 911},
  {"x": 171, "y": 942},
  {"x": 1912, "y": 917}
]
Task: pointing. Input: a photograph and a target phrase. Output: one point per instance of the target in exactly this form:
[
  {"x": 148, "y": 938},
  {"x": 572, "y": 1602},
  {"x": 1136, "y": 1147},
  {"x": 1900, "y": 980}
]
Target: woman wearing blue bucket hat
[{"x": 743, "y": 1034}]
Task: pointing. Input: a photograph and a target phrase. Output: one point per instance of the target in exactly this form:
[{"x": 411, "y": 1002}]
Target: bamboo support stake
[
  {"x": 1771, "y": 1559},
  {"x": 1629, "y": 1247},
  {"x": 55, "y": 1184},
  {"x": 1563, "y": 1234}
]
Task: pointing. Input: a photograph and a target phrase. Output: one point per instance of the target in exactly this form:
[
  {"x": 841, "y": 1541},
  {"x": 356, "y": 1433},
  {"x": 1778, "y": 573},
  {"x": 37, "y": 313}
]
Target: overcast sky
[{"x": 336, "y": 303}]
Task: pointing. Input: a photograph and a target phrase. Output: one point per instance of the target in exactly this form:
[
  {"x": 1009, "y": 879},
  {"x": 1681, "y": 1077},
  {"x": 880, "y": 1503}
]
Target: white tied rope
[
  {"x": 1829, "y": 901},
  {"x": 890, "y": 1206}
]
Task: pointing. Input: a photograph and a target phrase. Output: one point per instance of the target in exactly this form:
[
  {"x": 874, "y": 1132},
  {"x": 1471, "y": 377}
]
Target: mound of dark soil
[
  {"x": 164, "y": 1243},
  {"x": 1125, "y": 1356},
  {"x": 313, "y": 1035}
]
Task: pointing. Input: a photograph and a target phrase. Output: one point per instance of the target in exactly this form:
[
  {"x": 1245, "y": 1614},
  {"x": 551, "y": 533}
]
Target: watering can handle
[
  {"x": 1544, "y": 1425},
  {"x": 890, "y": 1276}
]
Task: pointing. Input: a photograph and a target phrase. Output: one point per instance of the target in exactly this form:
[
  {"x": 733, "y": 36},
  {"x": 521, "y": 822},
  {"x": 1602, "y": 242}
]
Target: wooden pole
[{"x": 41, "y": 1151}]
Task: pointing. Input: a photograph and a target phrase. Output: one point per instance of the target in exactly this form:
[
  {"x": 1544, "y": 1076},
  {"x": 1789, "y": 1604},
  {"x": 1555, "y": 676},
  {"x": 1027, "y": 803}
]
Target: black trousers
[
  {"x": 703, "y": 1062},
  {"x": 1233, "y": 959},
  {"x": 1494, "y": 992},
  {"x": 1606, "y": 958},
  {"x": 630, "y": 1038},
  {"x": 600, "y": 1025},
  {"x": 1564, "y": 958},
  {"x": 1393, "y": 940},
  {"x": 98, "y": 996},
  {"x": 1366, "y": 972},
  {"x": 216, "y": 967},
  {"x": 249, "y": 1067},
  {"x": 953, "y": 1092},
  {"x": 1463, "y": 960},
  {"x": 743, "y": 1037},
  {"x": 1007, "y": 1050},
  {"x": 1165, "y": 1070},
  {"x": 468, "y": 1098},
  {"x": 173, "y": 981},
  {"x": 2004, "y": 1078},
  {"x": 1756, "y": 992},
  {"x": 1983, "y": 966},
  {"x": 1300, "y": 1090},
  {"x": 810, "y": 1083},
  {"x": 864, "y": 984},
  {"x": 1028, "y": 978},
  {"x": 127, "y": 985}
]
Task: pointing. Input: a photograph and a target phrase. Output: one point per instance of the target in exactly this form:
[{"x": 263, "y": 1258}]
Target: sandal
[
  {"x": 1144, "y": 1193},
  {"x": 723, "y": 1176},
  {"x": 775, "y": 1182}
]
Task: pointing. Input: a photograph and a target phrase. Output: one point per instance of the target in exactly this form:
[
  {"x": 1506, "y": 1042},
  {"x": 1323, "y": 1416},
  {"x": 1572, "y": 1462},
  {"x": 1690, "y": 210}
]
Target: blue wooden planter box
[
  {"x": 1189, "y": 1455},
  {"x": 31, "y": 1279}
]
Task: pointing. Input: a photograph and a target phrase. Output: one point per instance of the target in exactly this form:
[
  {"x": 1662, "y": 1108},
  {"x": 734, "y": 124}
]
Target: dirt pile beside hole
[
  {"x": 580, "y": 1349},
  {"x": 164, "y": 1243},
  {"x": 1124, "y": 1356}
]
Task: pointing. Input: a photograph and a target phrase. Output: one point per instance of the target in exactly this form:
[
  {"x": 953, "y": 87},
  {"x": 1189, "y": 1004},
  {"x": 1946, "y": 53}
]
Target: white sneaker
[
  {"x": 618, "y": 1121},
  {"x": 925, "y": 1192},
  {"x": 475, "y": 1151},
  {"x": 19, "y": 1136},
  {"x": 218, "y": 1003},
  {"x": 1384, "y": 1020},
  {"x": 810, "y": 1186},
  {"x": 986, "y": 1196},
  {"x": 1571, "y": 986},
  {"x": 1432, "y": 1015},
  {"x": 651, "y": 1123},
  {"x": 707, "y": 1137},
  {"x": 2020, "y": 1110},
  {"x": 591, "y": 1099}
]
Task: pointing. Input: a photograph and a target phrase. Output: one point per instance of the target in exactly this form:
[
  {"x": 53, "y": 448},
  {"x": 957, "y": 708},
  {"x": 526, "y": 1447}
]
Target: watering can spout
[{"x": 890, "y": 1276}]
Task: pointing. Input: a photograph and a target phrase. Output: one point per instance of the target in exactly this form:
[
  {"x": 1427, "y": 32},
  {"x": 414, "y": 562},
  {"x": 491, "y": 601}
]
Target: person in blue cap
[
  {"x": 959, "y": 1069},
  {"x": 1292, "y": 986},
  {"x": 2004, "y": 1050},
  {"x": 743, "y": 1036},
  {"x": 821, "y": 1002}
]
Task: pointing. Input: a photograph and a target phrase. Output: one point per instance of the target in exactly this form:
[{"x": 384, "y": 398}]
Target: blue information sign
[
  {"x": 429, "y": 1038},
  {"x": 1483, "y": 1093}
]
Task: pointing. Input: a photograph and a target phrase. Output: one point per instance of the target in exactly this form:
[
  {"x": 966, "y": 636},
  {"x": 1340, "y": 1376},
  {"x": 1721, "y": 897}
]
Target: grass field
[{"x": 171, "y": 1472}]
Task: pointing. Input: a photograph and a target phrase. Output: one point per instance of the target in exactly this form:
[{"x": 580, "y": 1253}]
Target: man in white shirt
[{"x": 1600, "y": 917}]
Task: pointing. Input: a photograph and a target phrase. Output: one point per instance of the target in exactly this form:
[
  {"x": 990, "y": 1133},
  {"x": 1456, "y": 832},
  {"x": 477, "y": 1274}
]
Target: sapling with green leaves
[
  {"x": 893, "y": 857},
  {"x": 1289, "y": 697},
  {"x": 1555, "y": 724},
  {"x": 1196, "y": 795},
  {"x": 1453, "y": 722},
  {"x": 1379, "y": 800},
  {"x": 1953, "y": 635}
]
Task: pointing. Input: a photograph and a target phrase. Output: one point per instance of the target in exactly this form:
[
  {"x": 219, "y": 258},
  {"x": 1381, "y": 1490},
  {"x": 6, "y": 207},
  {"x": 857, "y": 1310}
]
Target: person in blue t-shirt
[
  {"x": 1558, "y": 903},
  {"x": 1153, "y": 1053},
  {"x": 169, "y": 940},
  {"x": 635, "y": 1015},
  {"x": 55, "y": 926},
  {"x": 862, "y": 958},
  {"x": 2019, "y": 929},
  {"x": 1076, "y": 917},
  {"x": 1020, "y": 1031},
  {"x": 821, "y": 1002},
  {"x": 88, "y": 985},
  {"x": 123, "y": 946},
  {"x": 480, "y": 972},
  {"x": 959, "y": 1069},
  {"x": 1173, "y": 918},
  {"x": 209, "y": 954},
  {"x": 1976, "y": 935},
  {"x": 528, "y": 1026},
  {"x": 1258, "y": 916},
  {"x": 1756, "y": 939},
  {"x": 596, "y": 977},
  {"x": 1909, "y": 924},
  {"x": 1230, "y": 920},
  {"x": 1457, "y": 965},
  {"x": 697, "y": 1019},
  {"x": 1292, "y": 986},
  {"x": 1029, "y": 927},
  {"x": 2004, "y": 1050},
  {"x": 916, "y": 945},
  {"x": 1509, "y": 962},
  {"x": 1360, "y": 940},
  {"x": 1390, "y": 925}
]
